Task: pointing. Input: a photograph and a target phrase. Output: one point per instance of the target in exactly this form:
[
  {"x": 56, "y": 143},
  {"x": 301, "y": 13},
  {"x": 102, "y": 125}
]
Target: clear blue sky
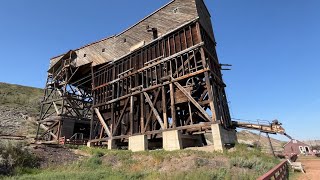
[{"x": 273, "y": 46}]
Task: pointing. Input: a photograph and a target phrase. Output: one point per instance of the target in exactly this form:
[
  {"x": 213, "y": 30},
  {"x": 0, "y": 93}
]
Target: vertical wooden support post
[
  {"x": 93, "y": 99},
  {"x": 206, "y": 74},
  {"x": 58, "y": 131},
  {"x": 209, "y": 88},
  {"x": 131, "y": 115},
  {"x": 173, "y": 109},
  {"x": 228, "y": 123},
  {"x": 190, "y": 113},
  {"x": 112, "y": 110},
  {"x": 101, "y": 132},
  {"x": 164, "y": 107},
  {"x": 91, "y": 125},
  {"x": 141, "y": 112}
]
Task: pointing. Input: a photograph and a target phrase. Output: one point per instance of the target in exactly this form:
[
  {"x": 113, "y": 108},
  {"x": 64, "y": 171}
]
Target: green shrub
[{"x": 15, "y": 157}]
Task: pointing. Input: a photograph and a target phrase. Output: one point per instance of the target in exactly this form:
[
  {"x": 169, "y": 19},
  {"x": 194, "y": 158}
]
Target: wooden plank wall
[
  {"x": 121, "y": 89},
  {"x": 130, "y": 71}
]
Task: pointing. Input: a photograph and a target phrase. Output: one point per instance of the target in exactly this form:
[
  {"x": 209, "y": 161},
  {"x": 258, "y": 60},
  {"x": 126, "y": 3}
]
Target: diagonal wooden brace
[
  {"x": 103, "y": 123},
  {"x": 186, "y": 93},
  {"x": 154, "y": 110},
  {"x": 47, "y": 131}
]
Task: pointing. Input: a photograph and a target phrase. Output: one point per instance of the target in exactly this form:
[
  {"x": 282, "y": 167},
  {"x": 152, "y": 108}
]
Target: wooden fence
[{"x": 281, "y": 171}]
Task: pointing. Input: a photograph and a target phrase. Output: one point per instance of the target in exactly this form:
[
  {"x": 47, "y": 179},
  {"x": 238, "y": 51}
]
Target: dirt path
[{"x": 312, "y": 167}]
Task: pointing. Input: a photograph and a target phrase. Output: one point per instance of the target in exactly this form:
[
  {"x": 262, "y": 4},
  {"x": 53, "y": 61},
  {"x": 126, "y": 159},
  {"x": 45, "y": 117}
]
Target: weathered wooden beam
[
  {"x": 47, "y": 129},
  {"x": 141, "y": 112},
  {"x": 164, "y": 107},
  {"x": 131, "y": 114},
  {"x": 152, "y": 87},
  {"x": 213, "y": 105},
  {"x": 150, "y": 113},
  {"x": 172, "y": 106},
  {"x": 206, "y": 125},
  {"x": 101, "y": 133},
  {"x": 103, "y": 123},
  {"x": 59, "y": 130},
  {"x": 197, "y": 105},
  {"x": 154, "y": 110},
  {"x": 56, "y": 108},
  {"x": 120, "y": 117}
]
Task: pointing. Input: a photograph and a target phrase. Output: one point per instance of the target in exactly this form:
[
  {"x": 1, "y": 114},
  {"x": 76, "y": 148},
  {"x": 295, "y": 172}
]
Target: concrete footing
[
  {"x": 222, "y": 136},
  {"x": 171, "y": 140},
  {"x": 138, "y": 143}
]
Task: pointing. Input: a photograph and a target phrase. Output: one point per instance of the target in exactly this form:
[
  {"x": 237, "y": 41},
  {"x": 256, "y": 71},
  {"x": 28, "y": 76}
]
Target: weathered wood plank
[
  {"x": 103, "y": 123},
  {"x": 154, "y": 110}
]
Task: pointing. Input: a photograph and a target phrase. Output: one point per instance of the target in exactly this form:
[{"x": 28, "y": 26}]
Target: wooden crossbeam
[
  {"x": 103, "y": 123},
  {"x": 154, "y": 110},
  {"x": 186, "y": 93}
]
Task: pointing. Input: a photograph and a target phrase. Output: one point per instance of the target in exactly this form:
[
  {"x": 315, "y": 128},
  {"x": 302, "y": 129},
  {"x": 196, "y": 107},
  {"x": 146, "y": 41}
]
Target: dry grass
[{"x": 184, "y": 164}]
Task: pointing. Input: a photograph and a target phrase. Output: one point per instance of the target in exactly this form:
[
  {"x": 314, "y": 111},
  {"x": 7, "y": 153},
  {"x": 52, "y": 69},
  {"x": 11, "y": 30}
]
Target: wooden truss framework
[
  {"x": 64, "y": 100},
  {"x": 175, "y": 82}
]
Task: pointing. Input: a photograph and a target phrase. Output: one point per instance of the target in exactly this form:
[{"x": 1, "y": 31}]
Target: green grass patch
[{"x": 120, "y": 164}]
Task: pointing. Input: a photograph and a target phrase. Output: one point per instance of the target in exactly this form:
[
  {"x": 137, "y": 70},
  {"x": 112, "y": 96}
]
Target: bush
[
  {"x": 252, "y": 158},
  {"x": 15, "y": 157}
]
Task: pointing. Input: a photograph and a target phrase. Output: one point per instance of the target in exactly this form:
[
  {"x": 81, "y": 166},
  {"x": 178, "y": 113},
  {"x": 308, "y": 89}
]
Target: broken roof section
[{"x": 164, "y": 20}]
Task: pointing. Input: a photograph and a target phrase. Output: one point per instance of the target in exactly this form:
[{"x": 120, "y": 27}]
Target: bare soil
[
  {"x": 312, "y": 168},
  {"x": 51, "y": 156}
]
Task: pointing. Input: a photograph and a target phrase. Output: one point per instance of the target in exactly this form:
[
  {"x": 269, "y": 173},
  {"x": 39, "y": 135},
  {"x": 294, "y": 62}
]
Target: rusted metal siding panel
[{"x": 168, "y": 18}]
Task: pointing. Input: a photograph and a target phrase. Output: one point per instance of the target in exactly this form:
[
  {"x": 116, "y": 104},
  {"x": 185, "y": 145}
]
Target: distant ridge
[
  {"x": 17, "y": 105},
  {"x": 13, "y": 95}
]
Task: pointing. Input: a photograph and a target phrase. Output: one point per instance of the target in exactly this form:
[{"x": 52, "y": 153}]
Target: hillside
[
  {"x": 17, "y": 105},
  {"x": 17, "y": 96},
  {"x": 250, "y": 138}
]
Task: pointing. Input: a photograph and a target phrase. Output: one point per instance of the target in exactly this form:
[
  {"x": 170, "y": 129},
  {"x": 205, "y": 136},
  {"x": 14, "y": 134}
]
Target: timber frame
[
  {"x": 65, "y": 100},
  {"x": 174, "y": 83},
  {"x": 159, "y": 75}
]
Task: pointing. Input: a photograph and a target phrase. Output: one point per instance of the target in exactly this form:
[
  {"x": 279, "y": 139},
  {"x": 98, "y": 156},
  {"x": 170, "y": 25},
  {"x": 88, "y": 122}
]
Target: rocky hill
[
  {"x": 18, "y": 105},
  {"x": 250, "y": 138}
]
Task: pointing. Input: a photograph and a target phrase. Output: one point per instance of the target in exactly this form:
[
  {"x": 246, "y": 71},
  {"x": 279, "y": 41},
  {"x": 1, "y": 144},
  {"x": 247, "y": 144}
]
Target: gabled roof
[
  {"x": 292, "y": 141},
  {"x": 165, "y": 19}
]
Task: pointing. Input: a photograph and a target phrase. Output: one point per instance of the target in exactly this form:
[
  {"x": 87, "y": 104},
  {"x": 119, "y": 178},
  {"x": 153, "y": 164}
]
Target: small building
[{"x": 297, "y": 147}]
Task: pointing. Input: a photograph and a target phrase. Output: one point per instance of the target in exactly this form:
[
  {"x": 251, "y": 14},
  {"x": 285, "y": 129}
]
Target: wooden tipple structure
[{"x": 158, "y": 83}]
